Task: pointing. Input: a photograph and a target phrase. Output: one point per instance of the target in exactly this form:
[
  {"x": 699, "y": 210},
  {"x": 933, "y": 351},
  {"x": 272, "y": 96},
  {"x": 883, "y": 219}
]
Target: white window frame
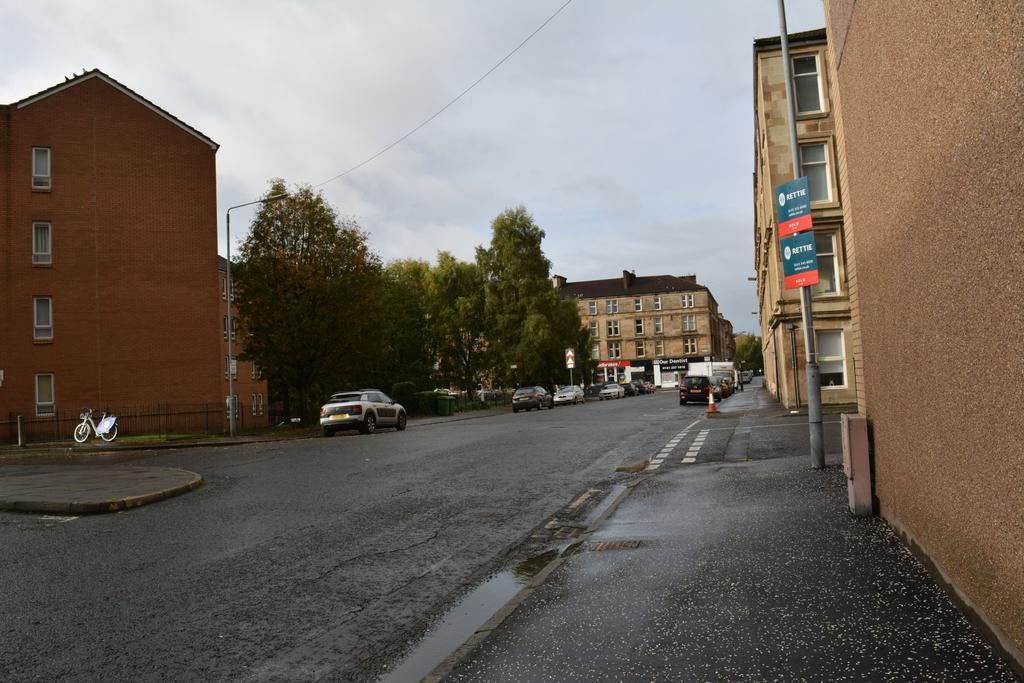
[
  {"x": 40, "y": 257},
  {"x": 657, "y": 303},
  {"x": 689, "y": 322},
  {"x": 613, "y": 328},
  {"x": 51, "y": 407},
  {"x": 821, "y": 358},
  {"x": 835, "y": 265},
  {"x": 659, "y": 326},
  {"x": 259, "y": 399},
  {"x": 611, "y": 306},
  {"x": 638, "y": 327},
  {"x": 227, "y": 368},
  {"x": 659, "y": 348},
  {"x": 591, "y": 308},
  {"x": 817, "y": 78},
  {"x": 595, "y": 351},
  {"x": 638, "y": 304},
  {"x": 615, "y": 349},
  {"x": 36, "y": 327},
  {"x": 595, "y": 330},
  {"x": 690, "y": 345},
  {"x": 42, "y": 181},
  {"x": 686, "y": 300},
  {"x": 252, "y": 400},
  {"x": 640, "y": 348},
  {"x": 224, "y": 288},
  {"x": 826, "y": 163}
]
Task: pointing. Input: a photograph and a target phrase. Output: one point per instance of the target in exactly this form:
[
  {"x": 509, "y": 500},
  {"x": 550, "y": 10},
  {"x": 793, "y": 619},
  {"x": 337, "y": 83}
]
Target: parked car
[
  {"x": 650, "y": 387},
  {"x": 528, "y": 398},
  {"x": 696, "y": 389},
  {"x": 723, "y": 388},
  {"x": 593, "y": 391},
  {"x": 569, "y": 395},
  {"x": 365, "y": 410},
  {"x": 611, "y": 390},
  {"x": 641, "y": 386},
  {"x": 628, "y": 388},
  {"x": 726, "y": 383},
  {"x": 747, "y": 376}
]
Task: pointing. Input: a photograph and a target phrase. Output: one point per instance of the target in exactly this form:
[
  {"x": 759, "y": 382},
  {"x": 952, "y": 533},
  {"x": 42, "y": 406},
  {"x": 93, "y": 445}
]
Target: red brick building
[
  {"x": 108, "y": 245},
  {"x": 250, "y": 386}
]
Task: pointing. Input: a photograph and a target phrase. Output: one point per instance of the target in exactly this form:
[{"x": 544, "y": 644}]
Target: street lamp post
[{"x": 232, "y": 408}]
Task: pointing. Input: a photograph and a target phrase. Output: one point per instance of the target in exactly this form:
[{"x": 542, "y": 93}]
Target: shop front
[{"x": 668, "y": 371}]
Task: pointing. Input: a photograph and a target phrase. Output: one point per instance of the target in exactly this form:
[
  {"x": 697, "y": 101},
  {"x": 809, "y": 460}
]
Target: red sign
[
  {"x": 801, "y": 280},
  {"x": 613, "y": 364}
]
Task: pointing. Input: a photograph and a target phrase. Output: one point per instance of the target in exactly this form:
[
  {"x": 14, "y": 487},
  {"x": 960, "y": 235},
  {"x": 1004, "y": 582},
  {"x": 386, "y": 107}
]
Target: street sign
[
  {"x": 570, "y": 358},
  {"x": 799, "y": 260},
  {"x": 793, "y": 201}
]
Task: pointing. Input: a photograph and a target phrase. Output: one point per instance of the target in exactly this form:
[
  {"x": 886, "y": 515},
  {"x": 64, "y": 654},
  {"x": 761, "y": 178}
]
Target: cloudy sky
[{"x": 625, "y": 127}]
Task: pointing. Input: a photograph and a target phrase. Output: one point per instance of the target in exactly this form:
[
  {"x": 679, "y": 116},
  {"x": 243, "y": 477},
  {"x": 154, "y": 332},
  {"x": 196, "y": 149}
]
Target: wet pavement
[{"x": 740, "y": 564}]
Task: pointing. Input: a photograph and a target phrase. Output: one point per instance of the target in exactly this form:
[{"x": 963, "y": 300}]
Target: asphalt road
[{"x": 320, "y": 558}]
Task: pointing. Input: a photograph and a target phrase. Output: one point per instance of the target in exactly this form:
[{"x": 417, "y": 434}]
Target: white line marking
[
  {"x": 56, "y": 518},
  {"x": 687, "y": 461},
  {"x": 653, "y": 467}
]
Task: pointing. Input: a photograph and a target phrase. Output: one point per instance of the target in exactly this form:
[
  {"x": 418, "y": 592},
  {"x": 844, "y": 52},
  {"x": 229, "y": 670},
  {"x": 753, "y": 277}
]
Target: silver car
[
  {"x": 364, "y": 410},
  {"x": 612, "y": 390},
  {"x": 569, "y": 395}
]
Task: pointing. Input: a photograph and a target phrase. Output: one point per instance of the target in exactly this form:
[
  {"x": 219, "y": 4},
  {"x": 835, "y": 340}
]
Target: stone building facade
[
  {"x": 779, "y": 308},
  {"x": 649, "y": 327}
]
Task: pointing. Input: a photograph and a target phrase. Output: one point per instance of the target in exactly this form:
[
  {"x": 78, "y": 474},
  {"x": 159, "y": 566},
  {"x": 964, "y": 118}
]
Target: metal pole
[
  {"x": 230, "y": 297},
  {"x": 806, "y": 310},
  {"x": 231, "y": 381}
]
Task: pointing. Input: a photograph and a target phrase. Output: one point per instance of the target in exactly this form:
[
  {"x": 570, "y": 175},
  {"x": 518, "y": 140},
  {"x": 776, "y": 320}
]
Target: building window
[
  {"x": 41, "y": 168},
  {"x": 807, "y": 84},
  {"x": 42, "y": 314},
  {"x": 224, "y": 288},
  {"x": 659, "y": 348},
  {"x": 45, "y": 405},
  {"x": 687, "y": 300},
  {"x": 614, "y": 350},
  {"x": 594, "y": 329},
  {"x": 254, "y": 371},
  {"x": 252, "y": 403},
  {"x": 224, "y": 331},
  {"x": 831, "y": 360},
  {"x": 595, "y": 351},
  {"x": 638, "y": 304},
  {"x": 613, "y": 328},
  {"x": 227, "y": 367},
  {"x": 690, "y": 345},
  {"x": 592, "y": 307},
  {"x": 825, "y": 244},
  {"x": 641, "y": 349},
  {"x": 657, "y": 326},
  {"x": 814, "y": 165},
  {"x": 638, "y": 326},
  {"x": 689, "y": 323},
  {"x": 657, "y": 303},
  {"x": 259, "y": 402},
  {"x": 611, "y": 306},
  {"x": 42, "y": 250}
]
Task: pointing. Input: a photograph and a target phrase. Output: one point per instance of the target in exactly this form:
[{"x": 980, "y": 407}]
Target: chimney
[
  {"x": 557, "y": 281},
  {"x": 628, "y": 278},
  {"x": 692, "y": 279}
]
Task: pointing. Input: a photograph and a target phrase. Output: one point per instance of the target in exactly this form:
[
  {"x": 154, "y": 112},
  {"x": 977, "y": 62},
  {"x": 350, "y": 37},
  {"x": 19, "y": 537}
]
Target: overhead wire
[{"x": 451, "y": 102}]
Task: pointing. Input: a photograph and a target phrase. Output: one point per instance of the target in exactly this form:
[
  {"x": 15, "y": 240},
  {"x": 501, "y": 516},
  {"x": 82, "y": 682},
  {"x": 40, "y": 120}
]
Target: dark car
[
  {"x": 593, "y": 391},
  {"x": 528, "y": 398},
  {"x": 629, "y": 388},
  {"x": 695, "y": 389}
]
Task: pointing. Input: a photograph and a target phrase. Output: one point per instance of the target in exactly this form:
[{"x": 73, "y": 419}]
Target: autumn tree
[
  {"x": 748, "y": 352},
  {"x": 459, "y": 318},
  {"x": 306, "y": 287}
]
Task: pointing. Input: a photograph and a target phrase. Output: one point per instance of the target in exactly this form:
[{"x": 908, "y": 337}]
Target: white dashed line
[{"x": 687, "y": 461}]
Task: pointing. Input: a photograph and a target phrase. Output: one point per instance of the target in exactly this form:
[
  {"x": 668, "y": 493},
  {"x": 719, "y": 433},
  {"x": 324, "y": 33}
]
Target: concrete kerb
[
  {"x": 83, "y": 507},
  {"x": 594, "y": 520}
]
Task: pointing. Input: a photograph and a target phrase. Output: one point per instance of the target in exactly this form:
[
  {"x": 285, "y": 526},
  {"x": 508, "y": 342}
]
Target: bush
[
  {"x": 404, "y": 393},
  {"x": 423, "y": 403}
]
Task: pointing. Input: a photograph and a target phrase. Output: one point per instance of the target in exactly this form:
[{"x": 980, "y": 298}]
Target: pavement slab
[{"x": 80, "y": 489}]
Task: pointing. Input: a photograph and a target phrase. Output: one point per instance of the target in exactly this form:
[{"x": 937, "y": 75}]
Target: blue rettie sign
[
  {"x": 793, "y": 207},
  {"x": 799, "y": 260}
]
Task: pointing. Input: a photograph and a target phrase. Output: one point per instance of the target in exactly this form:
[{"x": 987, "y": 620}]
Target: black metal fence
[{"x": 138, "y": 420}]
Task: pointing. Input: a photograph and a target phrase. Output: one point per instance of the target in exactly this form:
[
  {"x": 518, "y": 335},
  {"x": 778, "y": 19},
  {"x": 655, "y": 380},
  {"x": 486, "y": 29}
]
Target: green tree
[
  {"x": 748, "y": 352},
  {"x": 530, "y": 323},
  {"x": 458, "y": 315},
  {"x": 406, "y": 341},
  {"x": 306, "y": 285}
]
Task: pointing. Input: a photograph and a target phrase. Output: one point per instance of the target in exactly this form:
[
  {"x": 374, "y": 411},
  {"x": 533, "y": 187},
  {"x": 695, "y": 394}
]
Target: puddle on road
[{"x": 463, "y": 619}]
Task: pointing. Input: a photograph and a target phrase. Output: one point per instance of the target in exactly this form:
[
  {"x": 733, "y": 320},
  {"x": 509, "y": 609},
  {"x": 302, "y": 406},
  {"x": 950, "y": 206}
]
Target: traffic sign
[
  {"x": 793, "y": 207},
  {"x": 799, "y": 260},
  {"x": 570, "y": 358}
]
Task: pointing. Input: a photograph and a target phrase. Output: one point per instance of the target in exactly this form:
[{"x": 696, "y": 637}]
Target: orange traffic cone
[{"x": 712, "y": 408}]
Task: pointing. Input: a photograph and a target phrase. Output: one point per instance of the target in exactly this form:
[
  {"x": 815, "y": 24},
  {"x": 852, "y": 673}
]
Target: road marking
[
  {"x": 687, "y": 461},
  {"x": 56, "y": 518},
  {"x": 670, "y": 446}
]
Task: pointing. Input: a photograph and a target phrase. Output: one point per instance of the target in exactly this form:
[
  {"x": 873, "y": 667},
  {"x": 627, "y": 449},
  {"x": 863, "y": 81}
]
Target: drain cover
[{"x": 615, "y": 545}]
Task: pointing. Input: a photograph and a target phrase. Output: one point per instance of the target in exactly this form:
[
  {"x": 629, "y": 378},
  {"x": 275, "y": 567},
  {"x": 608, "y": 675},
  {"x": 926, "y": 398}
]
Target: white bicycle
[{"x": 106, "y": 429}]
